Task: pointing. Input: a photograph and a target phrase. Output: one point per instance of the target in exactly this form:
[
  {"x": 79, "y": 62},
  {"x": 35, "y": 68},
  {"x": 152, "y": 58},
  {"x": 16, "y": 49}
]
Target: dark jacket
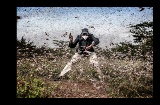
[{"x": 83, "y": 42}]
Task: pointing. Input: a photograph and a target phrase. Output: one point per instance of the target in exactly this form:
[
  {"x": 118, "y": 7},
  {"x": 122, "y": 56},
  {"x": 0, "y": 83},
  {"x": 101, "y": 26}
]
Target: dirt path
[{"x": 79, "y": 89}]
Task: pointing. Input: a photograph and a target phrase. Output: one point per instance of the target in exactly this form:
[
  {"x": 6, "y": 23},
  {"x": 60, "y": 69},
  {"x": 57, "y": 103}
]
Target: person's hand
[
  {"x": 88, "y": 47},
  {"x": 70, "y": 37}
]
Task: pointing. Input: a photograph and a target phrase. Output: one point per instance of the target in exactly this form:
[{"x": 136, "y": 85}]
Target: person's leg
[
  {"x": 95, "y": 63},
  {"x": 69, "y": 64}
]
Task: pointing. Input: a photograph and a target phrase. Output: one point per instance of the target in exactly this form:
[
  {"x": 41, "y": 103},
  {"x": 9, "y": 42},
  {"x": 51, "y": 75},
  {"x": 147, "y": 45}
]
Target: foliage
[
  {"x": 143, "y": 34},
  {"x": 31, "y": 87}
]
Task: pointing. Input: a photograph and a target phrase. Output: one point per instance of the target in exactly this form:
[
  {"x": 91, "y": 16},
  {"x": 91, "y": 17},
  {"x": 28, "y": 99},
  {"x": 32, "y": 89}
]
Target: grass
[{"x": 123, "y": 79}]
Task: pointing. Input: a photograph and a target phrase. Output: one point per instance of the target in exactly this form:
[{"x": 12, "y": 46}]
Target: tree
[{"x": 143, "y": 35}]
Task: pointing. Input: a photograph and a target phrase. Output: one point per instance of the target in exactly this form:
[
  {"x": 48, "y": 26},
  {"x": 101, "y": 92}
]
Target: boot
[{"x": 58, "y": 78}]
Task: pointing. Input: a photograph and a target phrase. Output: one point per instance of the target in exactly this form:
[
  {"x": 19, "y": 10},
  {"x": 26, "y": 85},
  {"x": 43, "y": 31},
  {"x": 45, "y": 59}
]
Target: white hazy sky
[{"x": 110, "y": 23}]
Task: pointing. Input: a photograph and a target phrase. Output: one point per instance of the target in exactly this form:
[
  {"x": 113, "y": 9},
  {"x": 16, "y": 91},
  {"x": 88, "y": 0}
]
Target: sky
[{"x": 109, "y": 24}]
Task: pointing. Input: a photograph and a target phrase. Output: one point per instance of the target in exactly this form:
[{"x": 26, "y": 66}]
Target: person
[{"x": 86, "y": 42}]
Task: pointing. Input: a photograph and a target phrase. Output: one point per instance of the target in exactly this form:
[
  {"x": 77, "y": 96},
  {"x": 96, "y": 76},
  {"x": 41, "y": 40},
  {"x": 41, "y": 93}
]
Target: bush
[{"x": 32, "y": 87}]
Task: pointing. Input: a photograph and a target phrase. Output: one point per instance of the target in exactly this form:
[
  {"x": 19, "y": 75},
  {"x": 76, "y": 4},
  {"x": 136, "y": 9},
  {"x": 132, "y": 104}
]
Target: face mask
[{"x": 85, "y": 37}]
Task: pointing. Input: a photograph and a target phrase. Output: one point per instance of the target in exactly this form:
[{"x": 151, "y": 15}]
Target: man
[{"x": 86, "y": 42}]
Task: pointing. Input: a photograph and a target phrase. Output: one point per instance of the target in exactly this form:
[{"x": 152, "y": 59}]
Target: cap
[{"x": 85, "y": 30}]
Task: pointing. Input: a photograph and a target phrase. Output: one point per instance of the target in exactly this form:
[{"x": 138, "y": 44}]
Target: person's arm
[
  {"x": 94, "y": 42},
  {"x": 73, "y": 44},
  {"x": 88, "y": 47}
]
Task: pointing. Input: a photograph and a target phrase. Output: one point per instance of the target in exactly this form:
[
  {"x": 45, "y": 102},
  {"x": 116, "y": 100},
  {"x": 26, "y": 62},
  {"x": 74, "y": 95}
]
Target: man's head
[{"x": 85, "y": 31}]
